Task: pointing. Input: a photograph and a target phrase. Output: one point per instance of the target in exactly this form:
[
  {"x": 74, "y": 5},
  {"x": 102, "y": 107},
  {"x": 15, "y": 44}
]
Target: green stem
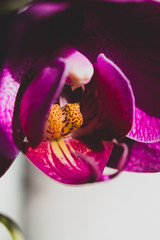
[{"x": 12, "y": 227}]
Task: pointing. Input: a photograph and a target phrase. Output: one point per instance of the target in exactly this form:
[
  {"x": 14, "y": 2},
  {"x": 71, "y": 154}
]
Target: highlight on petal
[
  {"x": 43, "y": 90},
  {"x": 145, "y": 128},
  {"x": 8, "y": 90},
  {"x": 44, "y": 9},
  {"x": 62, "y": 160},
  {"x": 117, "y": 96}
]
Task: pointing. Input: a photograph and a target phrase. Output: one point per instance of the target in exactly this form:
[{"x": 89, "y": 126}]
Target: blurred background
[{"x": 126, "y": 207}]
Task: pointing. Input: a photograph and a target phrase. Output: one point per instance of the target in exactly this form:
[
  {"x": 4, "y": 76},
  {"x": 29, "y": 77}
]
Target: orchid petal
[
  {"x": 127, "y": 34},
  {"x": 142, "y": 157},
  {"x": 117, "y": 97},
  {"x": 145, "y": 128},
  {"x": 44, "y": 9},
  {"x": 61, "y": 160},
  {"x": 8, "y": 90},
  {"x": 44, "y": 27},
  {"x": 43, "y": 90},
  {"x": 110, "y": 106}
]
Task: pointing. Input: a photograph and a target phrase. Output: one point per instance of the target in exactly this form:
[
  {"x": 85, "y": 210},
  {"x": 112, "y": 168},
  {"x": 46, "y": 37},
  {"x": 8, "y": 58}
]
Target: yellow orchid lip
[{"x": 62, "y": 121}]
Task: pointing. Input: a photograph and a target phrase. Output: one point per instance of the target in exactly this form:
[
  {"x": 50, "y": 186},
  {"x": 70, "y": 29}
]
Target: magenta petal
[
  {"x": 8, "y": 91},
  {"x": 144, "y": 157},
  {"x": 145, "y": 128},
  {"x": 117, "y": 99},
  {"x": 67, "y": 166},
  {"x": 42, "y": 91},
  {"x": 45, "y": 9}
]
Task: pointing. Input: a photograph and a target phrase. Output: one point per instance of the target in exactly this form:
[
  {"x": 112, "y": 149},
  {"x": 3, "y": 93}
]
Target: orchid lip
[{"x": 62, "y": 121}]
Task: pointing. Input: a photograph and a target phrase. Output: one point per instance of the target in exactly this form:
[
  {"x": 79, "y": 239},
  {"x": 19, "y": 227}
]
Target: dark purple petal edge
[{"x": 43, "y": 90}]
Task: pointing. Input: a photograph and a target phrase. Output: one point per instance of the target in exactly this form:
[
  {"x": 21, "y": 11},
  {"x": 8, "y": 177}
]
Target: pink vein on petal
[
  {"x": 145, "y": 127},
  {"x": 8, "y": 91},
  {"x": 65, "y": 164}
]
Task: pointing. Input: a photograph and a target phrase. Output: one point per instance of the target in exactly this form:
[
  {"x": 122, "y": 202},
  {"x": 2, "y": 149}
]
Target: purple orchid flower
[{"x": 66, "y": 100}]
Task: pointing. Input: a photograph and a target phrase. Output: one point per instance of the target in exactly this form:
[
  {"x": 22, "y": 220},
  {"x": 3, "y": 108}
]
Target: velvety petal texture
[
  {"x": 63, "y": 160},
  {"x": 43, "y": 90},
  {"x": 117, "y": 96},
  {"x": 128, "y": 35},
  {"x": 6, "y": 21},
  {"x": 44, "y": 27}
]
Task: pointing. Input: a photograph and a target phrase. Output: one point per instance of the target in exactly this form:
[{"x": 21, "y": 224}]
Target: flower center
[{"x": 62, "y": 121}]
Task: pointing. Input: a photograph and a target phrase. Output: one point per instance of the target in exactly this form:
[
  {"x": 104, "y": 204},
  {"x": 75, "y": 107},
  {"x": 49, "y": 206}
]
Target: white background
[{"x": 127, "y": 207}]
